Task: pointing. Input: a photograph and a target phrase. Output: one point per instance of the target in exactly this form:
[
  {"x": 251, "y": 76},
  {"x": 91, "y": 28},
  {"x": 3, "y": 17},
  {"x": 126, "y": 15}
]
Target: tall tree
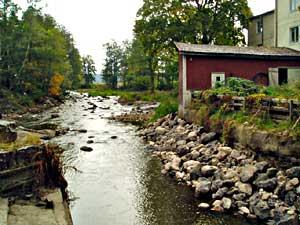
[
  {"x": 113, "y": 64},
  {"x": 89, "y": 70},
  {"x": 160, "y": 23}
]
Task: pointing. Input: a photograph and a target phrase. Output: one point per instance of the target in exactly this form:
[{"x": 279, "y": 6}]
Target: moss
[{"x": 27, "y": 140}]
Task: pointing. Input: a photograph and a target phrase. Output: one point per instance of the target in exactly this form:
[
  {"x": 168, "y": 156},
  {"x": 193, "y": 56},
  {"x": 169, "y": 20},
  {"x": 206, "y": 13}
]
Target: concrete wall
[
  {"x": 267, "y": 36},
  {"x": 293, "y": 75},
  {"x": 287, "y": 20}
]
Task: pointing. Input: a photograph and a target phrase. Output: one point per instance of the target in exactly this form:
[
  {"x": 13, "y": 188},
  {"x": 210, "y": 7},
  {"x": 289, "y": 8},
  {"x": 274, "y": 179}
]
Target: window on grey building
[
  {"x": 295, "y": 34},
  {"x": 294, "y": 4},
  {"x": 259, "y": 26}
]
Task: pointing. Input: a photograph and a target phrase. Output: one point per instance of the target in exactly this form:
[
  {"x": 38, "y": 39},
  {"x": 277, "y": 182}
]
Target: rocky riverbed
[{"x": 239, "y": 181}]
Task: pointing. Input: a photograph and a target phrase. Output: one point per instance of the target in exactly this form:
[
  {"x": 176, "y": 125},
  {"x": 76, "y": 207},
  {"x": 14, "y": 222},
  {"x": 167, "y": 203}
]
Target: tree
[
  {"x": 113, "y": 64},
  {"x": 89, "y": 70},
  {"x": 160, "y": 23}
]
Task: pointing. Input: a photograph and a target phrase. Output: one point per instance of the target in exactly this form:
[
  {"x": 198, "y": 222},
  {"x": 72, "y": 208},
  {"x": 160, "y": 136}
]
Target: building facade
[
  {"x": 279, "y": 28},
  {"x": 261, "y": 30},
  {"x": 287, "y": 23}
]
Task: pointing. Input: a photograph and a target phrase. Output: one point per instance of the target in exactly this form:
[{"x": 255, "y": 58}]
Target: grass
[
  {"x": 168, "y": 99},
  {"x": 27, "y": 140}
]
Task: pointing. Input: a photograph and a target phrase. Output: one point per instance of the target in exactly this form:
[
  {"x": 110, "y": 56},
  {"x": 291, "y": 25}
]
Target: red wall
[{"x": 199, "y": 69}]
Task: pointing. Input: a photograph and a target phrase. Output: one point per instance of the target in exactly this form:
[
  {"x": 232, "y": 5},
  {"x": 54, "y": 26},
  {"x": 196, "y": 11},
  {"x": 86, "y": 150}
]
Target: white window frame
[
  {"x": 214, "y": 76},
  {"x": 297, "y": 39}
]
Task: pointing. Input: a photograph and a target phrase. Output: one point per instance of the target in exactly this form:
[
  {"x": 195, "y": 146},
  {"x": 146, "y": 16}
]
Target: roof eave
[{"x": 243, "y": 56}]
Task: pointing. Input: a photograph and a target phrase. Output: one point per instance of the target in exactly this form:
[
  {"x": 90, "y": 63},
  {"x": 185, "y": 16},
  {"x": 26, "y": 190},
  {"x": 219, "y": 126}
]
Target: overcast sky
[{"x": 95, "y": 22}]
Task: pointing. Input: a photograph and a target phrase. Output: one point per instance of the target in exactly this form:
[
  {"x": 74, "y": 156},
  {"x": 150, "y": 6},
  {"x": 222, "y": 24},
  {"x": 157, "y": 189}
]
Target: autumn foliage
[{"x": 55, "y": 85}]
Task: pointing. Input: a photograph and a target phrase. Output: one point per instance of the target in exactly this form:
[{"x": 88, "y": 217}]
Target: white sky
[{"x": 95, "y": 22}]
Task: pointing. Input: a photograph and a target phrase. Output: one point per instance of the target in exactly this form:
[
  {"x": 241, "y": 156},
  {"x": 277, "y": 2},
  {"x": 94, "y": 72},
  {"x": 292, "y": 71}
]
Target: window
[
  {"x": 294, "y": 34},
  {"x": 259, "y": 26},
  {"x": 217, "y": 78},
  {"x": 294, "y": 4}
]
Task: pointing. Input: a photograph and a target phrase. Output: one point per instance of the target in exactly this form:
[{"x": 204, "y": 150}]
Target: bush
[
  {"x": 140, "y": 83},
  {"x": 236, "y": 87},
  {"x": 164, "y": 109}
]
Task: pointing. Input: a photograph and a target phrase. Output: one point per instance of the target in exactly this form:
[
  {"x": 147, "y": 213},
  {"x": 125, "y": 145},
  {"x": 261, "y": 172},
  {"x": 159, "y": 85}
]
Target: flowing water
[{"x": 119, "y": 183}]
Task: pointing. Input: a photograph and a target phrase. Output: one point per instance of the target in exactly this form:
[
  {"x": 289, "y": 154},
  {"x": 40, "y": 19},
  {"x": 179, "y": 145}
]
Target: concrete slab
[
  {"x": 28, "y": 213},
  {"x": 3, "y": 211}
]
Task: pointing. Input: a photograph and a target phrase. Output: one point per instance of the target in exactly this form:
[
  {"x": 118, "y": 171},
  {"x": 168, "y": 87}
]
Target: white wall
[{"x": 287, "y": 20}]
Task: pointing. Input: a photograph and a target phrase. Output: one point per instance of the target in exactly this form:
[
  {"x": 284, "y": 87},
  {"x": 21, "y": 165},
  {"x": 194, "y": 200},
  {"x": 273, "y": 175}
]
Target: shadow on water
[{"x": 121, "y": 183}]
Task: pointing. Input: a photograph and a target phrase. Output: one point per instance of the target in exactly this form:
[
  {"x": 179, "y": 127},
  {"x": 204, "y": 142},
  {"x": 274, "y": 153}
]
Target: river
[{"x": 119, "y": 183}]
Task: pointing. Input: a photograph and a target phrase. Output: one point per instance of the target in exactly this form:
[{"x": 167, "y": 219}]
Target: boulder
[
  {"x": 181, "y": 142},
  {"x": 192, "y": 136},
  {"x": 293, "y": 172},
  {"x": 223, "y": 153},
  {"x": 288, "y": 220},
  {"x": 217, "y": 206},
  {"x": 261, "y": 166},
  {"x": 226, "y": 202},
  {"x": 195, "y": 154},
  {"x": 161, "y": 130},
  {"x": 291, "y": 184},
  {"x": 261, "y": 210},
  {"x": 208, "y": 171},
  {"x": 204, "y": 206},
  {"x": 268, "y": 185},
  {"x": 247, "y": 173},
  {"x": 202, "y": 186},
  {"x": 290, "y": 198},
  {"x": 176, "y": 163},
  {"x": 7, "y": 133},
  {"x": 235, "y": 154},
  {"x": 206, "y": 138},
  {"x": 220, "y": 193},
  {"x": 244, "y": 188},
  {"x": 86, "y": 149},
  {"x": 192, "y": 166},
  {"x": 244, "y": 210}
]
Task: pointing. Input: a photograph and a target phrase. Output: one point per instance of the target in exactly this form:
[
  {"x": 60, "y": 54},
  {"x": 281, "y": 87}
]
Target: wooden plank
[
  {"x": 279, "y": 109},
  {"x": 279, "y": 117}
]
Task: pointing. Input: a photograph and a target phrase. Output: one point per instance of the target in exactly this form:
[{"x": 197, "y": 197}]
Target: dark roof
[
  {"x": 263, "y": 14},
  {"x": 234, "y": 51}
]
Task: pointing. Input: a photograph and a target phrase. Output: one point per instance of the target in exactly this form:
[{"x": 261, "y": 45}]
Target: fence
[{"x": 277, "y": 109}]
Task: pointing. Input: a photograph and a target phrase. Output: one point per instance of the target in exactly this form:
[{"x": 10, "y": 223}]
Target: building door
[
  {"x": 282, "y": 76},
  {"x": 217, "y": 78}
]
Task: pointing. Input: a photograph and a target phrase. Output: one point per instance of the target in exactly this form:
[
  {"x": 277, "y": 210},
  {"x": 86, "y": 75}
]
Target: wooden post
[{"x": 291, "y": 109}]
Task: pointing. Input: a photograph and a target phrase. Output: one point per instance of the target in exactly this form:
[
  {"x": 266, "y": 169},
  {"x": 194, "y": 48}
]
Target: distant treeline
[
  {"x": 150, "y": 61},
  {"x": 38, "y": 56}
]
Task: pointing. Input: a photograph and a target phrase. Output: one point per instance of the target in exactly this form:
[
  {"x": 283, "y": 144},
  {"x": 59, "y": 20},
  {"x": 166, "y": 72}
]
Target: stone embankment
[{"x": 226, "y": 179}]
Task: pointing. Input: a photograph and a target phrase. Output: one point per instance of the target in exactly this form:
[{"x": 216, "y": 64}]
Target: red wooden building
[{"x": 201, "y": 66}]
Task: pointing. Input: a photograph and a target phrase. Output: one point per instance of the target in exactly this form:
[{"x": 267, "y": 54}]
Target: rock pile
[{"x": 233, "y": 180}]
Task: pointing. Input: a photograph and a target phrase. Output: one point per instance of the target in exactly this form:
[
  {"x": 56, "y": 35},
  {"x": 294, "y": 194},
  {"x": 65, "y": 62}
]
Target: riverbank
[
  {"x": 168, "y": 101},
  {"x": 239, "y": 181}
]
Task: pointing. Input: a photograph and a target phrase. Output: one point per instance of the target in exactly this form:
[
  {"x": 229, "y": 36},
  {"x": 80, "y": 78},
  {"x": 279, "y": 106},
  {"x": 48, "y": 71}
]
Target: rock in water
[
  {"x": 202, "y": 186},
  {"x": 204, "y": 206},
  {"x": 86, "y": 149}
]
